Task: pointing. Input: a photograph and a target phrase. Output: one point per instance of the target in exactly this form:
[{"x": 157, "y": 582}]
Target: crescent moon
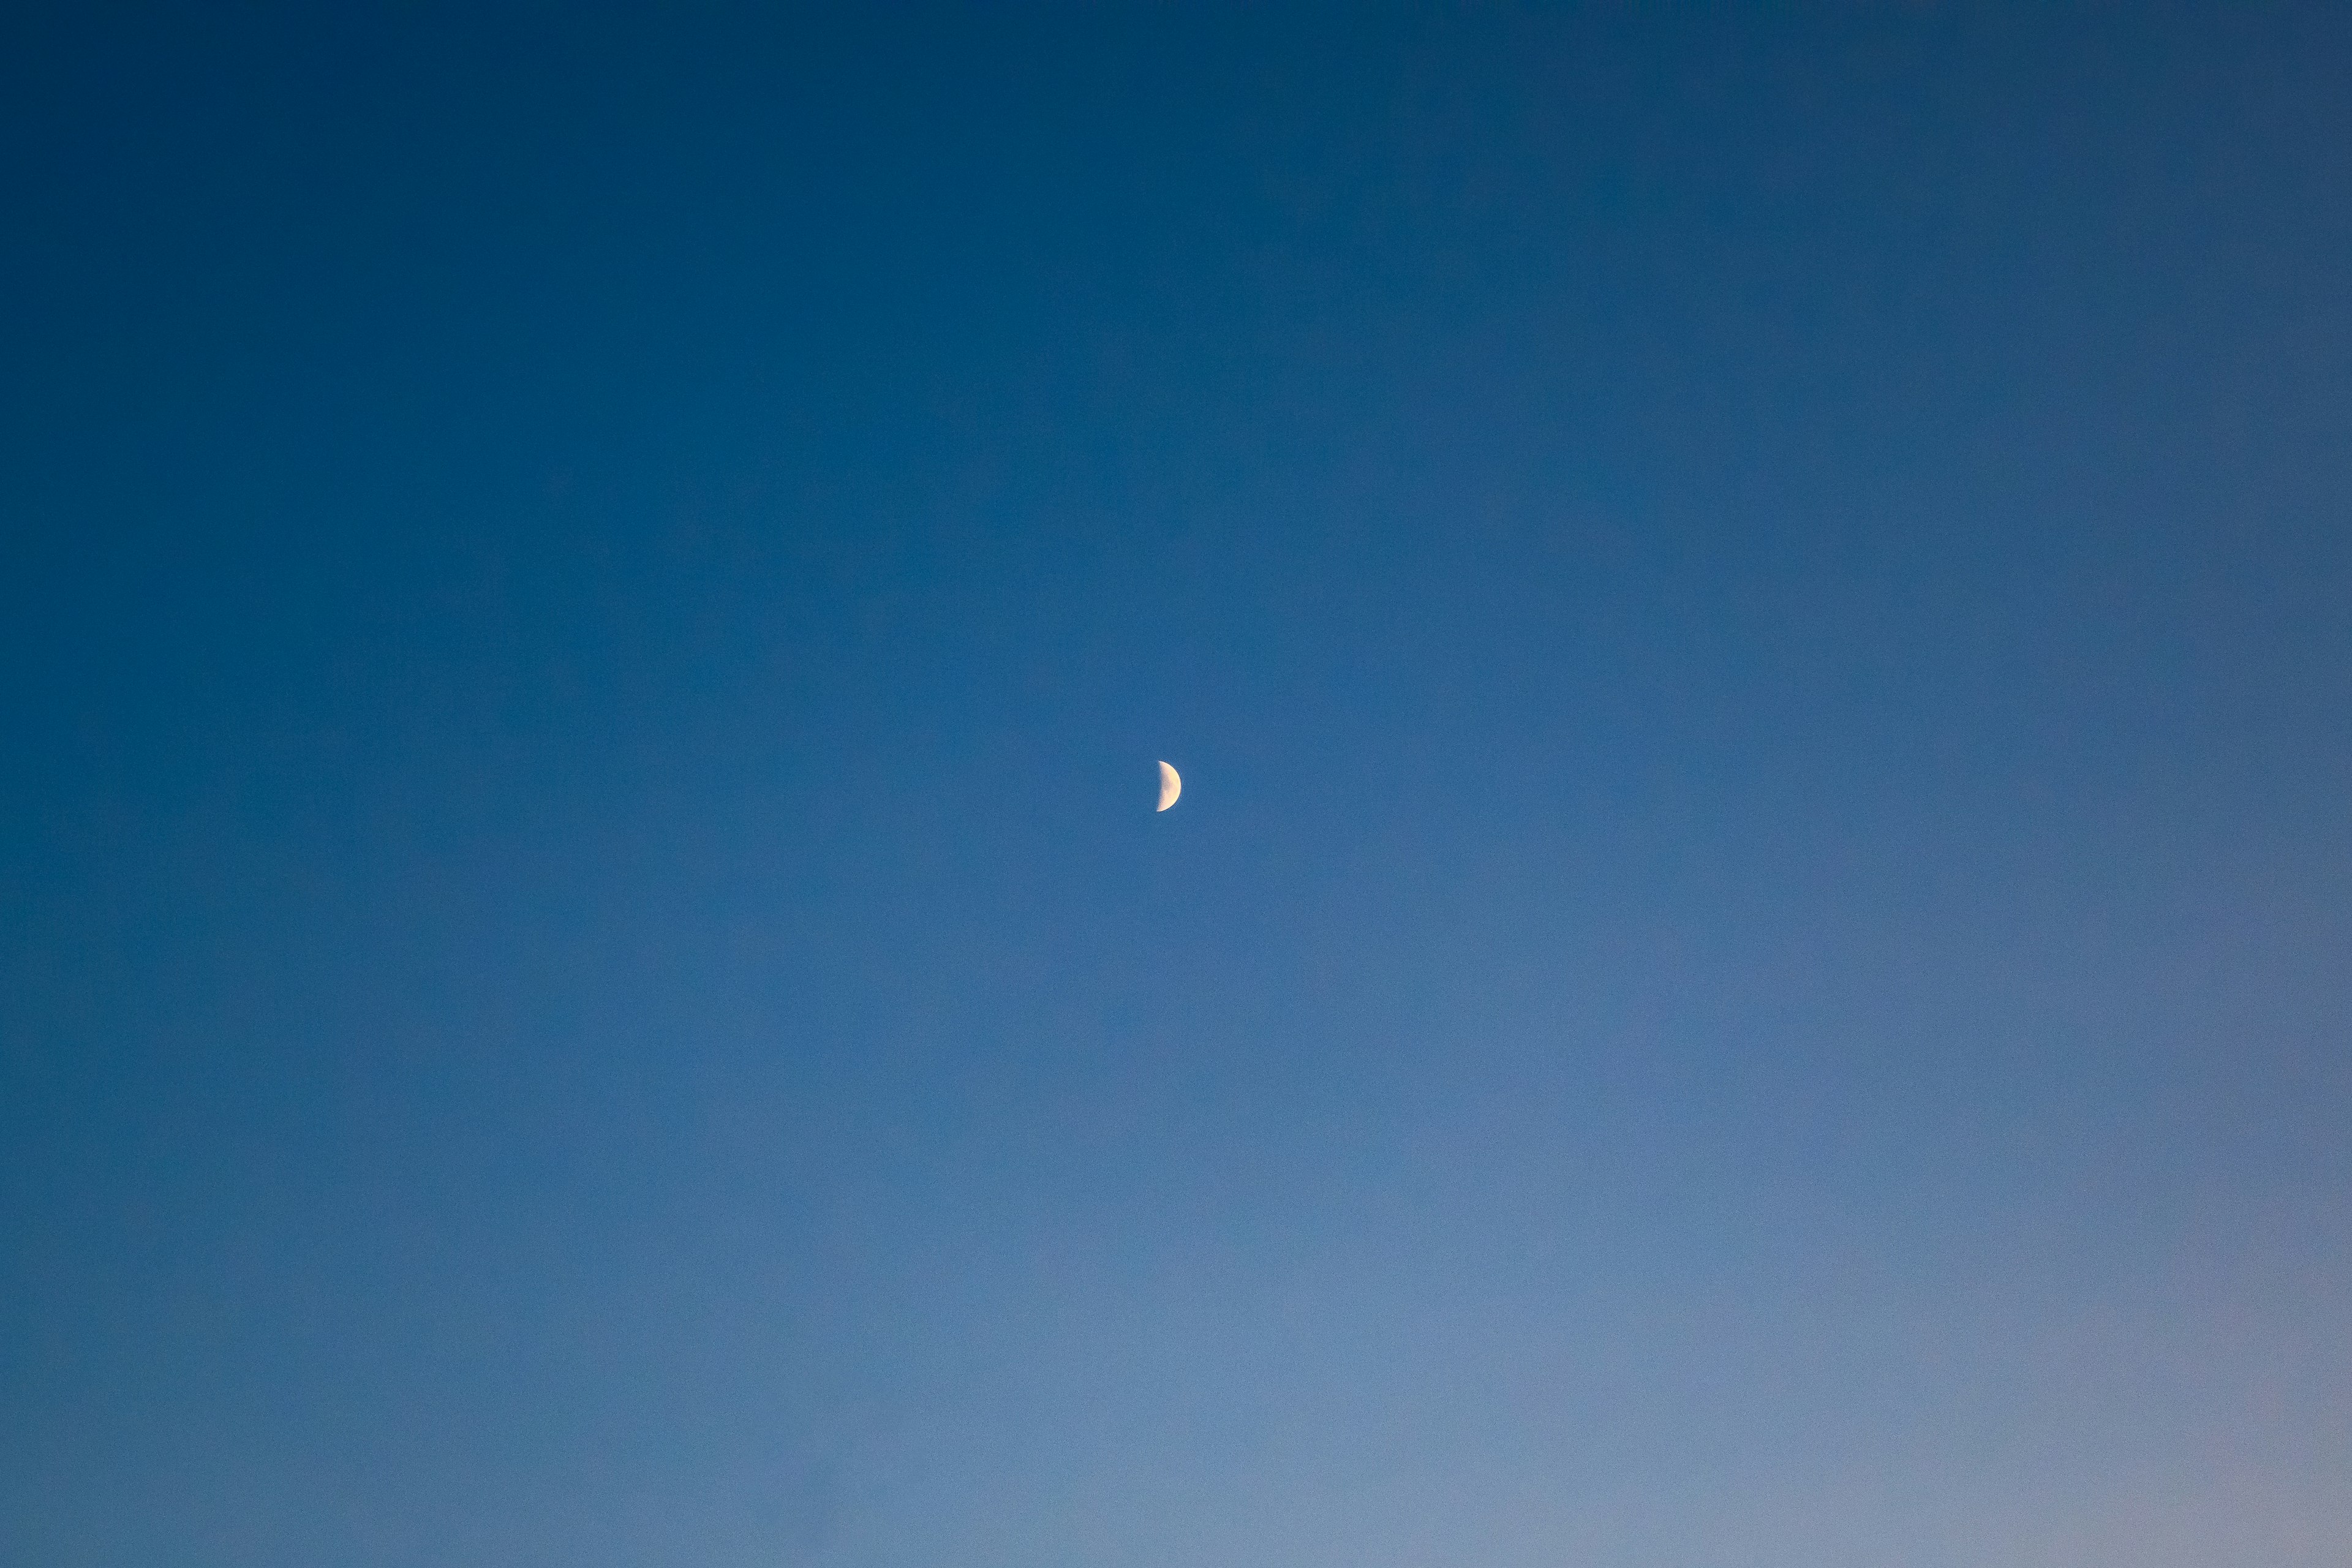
[{"x": 1171, "y": 786}]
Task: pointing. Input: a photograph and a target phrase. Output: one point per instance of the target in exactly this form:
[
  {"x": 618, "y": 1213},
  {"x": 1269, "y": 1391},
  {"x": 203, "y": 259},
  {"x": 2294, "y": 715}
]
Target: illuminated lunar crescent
[{"x": 1171, "y": 786}]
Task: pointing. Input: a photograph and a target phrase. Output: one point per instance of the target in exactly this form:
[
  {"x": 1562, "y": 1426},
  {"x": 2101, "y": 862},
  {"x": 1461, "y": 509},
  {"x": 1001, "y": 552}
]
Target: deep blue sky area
[{"x": 1754, "y": 969}]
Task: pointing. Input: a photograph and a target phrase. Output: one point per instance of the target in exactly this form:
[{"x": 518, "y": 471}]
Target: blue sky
[{"x": 1754, "y": 604}]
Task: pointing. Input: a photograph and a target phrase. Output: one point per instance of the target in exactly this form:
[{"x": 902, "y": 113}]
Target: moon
[{"x": 1171, "y": 786}]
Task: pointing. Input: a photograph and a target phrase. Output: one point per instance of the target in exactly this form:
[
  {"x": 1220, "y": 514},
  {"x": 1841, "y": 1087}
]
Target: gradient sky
[{"x": 1756, "y": 963}]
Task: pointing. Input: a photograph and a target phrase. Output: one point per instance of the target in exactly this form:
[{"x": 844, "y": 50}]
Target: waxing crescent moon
[{"x": 1171, "y": 786}]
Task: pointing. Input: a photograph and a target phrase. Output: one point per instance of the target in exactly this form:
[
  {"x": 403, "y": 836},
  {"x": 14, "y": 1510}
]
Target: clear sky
[{"x": 1755, "y": 966}]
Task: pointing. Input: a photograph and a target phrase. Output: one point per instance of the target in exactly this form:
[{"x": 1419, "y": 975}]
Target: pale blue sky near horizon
[{"x": 1755, "y": 966}]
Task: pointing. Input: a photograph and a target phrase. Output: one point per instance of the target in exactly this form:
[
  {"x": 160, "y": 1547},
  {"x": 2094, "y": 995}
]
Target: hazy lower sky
[{"x": 1755, "y": 966}]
